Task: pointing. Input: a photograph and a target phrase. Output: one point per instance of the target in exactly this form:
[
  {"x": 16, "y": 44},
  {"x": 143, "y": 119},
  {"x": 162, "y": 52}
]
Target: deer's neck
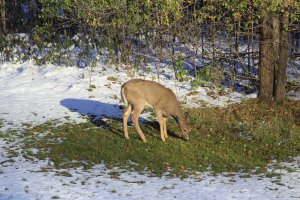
[{"x": 177, "y": 113}]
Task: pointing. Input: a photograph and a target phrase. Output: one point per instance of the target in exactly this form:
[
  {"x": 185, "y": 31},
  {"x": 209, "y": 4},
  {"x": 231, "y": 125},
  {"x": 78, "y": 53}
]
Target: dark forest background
[{"x": 217, "y": 41}]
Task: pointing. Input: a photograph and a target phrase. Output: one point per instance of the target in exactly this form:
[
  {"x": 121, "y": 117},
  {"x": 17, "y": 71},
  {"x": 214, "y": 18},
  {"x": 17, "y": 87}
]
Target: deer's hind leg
[
  {"x": 126, "y": 114},
  {"x": 135, "y": 118}
]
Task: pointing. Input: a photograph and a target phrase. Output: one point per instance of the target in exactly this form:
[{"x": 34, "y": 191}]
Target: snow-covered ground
[{"x": 34, "y": 94}]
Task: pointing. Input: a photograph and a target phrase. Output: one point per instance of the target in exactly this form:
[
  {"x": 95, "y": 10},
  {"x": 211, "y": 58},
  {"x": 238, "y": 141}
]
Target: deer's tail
[{"x": 123, "y": 96}]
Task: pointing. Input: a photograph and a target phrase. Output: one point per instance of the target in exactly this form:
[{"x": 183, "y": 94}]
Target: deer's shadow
[
  {"x": 92, "y": 109},
  {"x": 99, "y": 113},
  {"x": 102, "y": 114}
]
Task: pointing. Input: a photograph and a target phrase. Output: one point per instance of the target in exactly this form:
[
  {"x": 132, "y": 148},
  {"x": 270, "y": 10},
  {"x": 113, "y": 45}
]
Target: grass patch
[
  {"x": 1, "y": 123},
  {"x": 242, "y": 137},
  {"x": 112, "y": 78}
]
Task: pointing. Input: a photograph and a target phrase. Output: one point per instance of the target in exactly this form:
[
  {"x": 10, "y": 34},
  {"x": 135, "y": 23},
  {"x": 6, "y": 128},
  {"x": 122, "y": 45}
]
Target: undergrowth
[{"x": 243, "y": 137}]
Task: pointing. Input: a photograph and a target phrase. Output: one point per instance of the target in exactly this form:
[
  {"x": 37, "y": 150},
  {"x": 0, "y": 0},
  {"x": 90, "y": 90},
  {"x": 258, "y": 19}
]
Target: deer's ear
[{"x": 187, "y": 117}]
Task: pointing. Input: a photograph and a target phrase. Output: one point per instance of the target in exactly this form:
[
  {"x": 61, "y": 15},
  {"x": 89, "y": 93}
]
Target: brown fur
[{"x": 139, "y": 93}]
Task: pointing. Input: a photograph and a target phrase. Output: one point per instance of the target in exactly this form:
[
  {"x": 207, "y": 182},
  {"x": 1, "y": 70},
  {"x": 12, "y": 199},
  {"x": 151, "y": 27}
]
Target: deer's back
[{"x": 155, "y": 94}]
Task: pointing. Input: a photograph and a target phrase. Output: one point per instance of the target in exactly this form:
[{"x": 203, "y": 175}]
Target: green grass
[
  {"x": 243, "y": 137},
  {"x": 1, "y": 123}
]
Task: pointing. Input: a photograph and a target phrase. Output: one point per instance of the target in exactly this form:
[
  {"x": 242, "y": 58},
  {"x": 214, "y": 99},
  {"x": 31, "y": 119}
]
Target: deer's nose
[{"x": 185, "y": 137}]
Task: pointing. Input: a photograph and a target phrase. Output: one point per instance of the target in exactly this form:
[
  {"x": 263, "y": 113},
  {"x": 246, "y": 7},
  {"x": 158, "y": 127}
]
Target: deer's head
[{"x": 185, "y": 125}]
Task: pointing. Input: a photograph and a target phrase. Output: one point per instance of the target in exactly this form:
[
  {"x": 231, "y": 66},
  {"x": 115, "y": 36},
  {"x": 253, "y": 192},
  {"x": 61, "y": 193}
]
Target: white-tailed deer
[{"x": 138, "y": 93}]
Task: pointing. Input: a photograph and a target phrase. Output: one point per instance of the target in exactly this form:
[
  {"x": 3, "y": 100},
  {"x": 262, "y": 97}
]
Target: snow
[{"x": 35, "y": 94}]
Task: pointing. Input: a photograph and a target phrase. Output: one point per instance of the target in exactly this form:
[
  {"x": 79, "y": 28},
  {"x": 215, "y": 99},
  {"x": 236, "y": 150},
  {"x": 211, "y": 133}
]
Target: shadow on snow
[{"x": 102, "y": 113}]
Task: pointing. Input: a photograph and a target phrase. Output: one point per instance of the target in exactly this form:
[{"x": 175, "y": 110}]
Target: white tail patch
[{"x": 124, "y": 100}]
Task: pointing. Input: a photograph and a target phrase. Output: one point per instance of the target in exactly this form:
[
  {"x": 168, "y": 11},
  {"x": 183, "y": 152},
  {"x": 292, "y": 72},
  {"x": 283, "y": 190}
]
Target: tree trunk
[
  {"x": 215, "y": 66},
  {"x": 3, "y": 19},
  {"x": 266, "y": 61},
  {"x": 276, "y": 41},
  {"x": 283, "y": 60}
]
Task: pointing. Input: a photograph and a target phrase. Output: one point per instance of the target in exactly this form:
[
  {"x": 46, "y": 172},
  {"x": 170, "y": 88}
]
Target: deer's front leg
[
  {"x": 165, "y": 127},
  {"x": 161, "y": 122}
]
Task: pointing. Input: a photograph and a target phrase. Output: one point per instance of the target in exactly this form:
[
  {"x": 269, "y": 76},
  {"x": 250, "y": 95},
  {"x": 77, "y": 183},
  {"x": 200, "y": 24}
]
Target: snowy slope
[{"x": 35, "y": 94}]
